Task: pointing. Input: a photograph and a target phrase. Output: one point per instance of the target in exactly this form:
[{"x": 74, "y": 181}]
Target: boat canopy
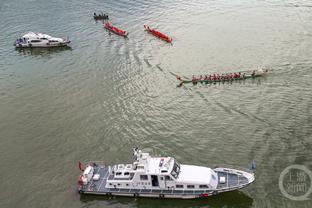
[{"x": 36, "y": 36}]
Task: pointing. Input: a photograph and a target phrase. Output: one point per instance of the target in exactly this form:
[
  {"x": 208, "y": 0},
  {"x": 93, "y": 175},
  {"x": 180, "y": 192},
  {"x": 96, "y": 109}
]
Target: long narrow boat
[
  {"x": 253, "y": 74},
  {"x": 115, "y": 30},
  {"x": 158, "y": 34}
]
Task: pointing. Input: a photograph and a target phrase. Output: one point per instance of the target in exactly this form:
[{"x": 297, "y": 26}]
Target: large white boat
[
  {"x": 39, "y": 40},
  {"x": 160, "y": 177}
]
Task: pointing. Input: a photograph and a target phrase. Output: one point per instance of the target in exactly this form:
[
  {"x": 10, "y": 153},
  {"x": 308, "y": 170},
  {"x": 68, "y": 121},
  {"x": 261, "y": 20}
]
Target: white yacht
[
  {"x": 160, "y": 177},
  {"x": 39, "y": 40}
]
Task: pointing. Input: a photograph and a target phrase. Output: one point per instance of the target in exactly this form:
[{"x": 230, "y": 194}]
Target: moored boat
[
  {"x": 115, "y": 30},
  {"x": 161, "y": 177},
  {"x": 158, "y": 34},
  {"x": 228, "y": 77},
  {"x": 39, "y": 40}
]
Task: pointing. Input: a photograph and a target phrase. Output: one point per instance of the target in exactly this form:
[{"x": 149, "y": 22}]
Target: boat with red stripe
[
  {"x": 158, "y": 34},
  {"x": 161, "y": 177}
]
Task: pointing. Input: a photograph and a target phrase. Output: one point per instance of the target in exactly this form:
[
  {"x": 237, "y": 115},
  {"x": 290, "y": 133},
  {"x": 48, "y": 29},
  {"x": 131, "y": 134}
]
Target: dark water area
[{"x": 106, "y": 94}]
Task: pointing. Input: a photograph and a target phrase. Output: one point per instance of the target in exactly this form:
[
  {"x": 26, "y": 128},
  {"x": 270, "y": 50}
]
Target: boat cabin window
[
  {"x": 164, "y": 171},
  {"x": 175, "y": 170},
  {"x": 43, "y": 38},
  {"x": 203, "y": 186},
  {"x": 179, "y": 186},
  {"x": 168, "y": 178},
  {"x": 118, "y": 173},
  {"x": 126, "y": 173},
  {"x": 190, "y": 186},
  {"x": 143, "y": 177},
  {"x": 35, "y": 41},
  {"x": 129, "y": 166}
]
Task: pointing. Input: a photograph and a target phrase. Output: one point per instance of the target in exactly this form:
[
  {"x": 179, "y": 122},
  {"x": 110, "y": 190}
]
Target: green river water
[{"x": 107, "y": 94}]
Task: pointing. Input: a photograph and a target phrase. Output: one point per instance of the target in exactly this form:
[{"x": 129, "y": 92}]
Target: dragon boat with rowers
[
  {"x": 226, "y": 77},
  {"x": 161, "y": 177}
]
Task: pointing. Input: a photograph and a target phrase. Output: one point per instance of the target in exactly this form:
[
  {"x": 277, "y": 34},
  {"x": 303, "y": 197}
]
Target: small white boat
[
  {"x": 160, "y": 177},
  {"x": 39, "y": 40}
]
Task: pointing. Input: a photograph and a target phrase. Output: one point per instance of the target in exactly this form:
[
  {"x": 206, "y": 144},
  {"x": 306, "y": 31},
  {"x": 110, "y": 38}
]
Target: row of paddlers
[{"x": 224, "y": 77}]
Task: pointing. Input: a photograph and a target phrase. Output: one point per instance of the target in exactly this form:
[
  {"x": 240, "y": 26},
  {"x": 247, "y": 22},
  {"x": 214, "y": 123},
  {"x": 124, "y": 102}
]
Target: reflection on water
[
  {"x": 229, "y": 199},
  {"x": 42, "y": 51}
]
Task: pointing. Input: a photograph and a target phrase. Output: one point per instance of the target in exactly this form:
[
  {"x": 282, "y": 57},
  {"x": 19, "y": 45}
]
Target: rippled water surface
[{"x": 107, "y": 94}]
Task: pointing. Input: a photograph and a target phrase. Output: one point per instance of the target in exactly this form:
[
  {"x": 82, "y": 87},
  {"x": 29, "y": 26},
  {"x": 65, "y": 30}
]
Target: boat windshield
[{"x": 175, "y": 170}]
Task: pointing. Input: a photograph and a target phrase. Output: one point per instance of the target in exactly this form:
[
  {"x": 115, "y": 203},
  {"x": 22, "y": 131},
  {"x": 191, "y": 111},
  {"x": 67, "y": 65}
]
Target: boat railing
[
  {"x": 96, "y": 163},
  {"x": 237, "y": 168}
]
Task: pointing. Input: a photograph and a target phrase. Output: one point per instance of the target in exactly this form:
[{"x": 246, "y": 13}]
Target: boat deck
[{"x": 232, "y": 181}]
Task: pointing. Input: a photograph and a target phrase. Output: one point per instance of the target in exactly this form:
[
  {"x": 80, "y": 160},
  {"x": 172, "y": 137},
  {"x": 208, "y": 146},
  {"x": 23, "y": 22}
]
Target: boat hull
[
  {"x": 101, "y": 17},
  {"x": 220, "y": 80},
  {"x": 98, "y": 187},
  {"x": 115, "y": 30},
  {"x": 42, "y": 45}
]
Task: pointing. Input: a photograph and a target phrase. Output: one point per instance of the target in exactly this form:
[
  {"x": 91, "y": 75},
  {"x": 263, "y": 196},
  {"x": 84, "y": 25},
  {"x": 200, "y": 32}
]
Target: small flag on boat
[
  {"x": 253, "y": 165},
  {"x": 80, "y": 166}
]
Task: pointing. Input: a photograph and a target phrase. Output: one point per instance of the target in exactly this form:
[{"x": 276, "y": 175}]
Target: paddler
[
  {"x": 218, "y": 76},
  {"x": 253, "y": 73}
]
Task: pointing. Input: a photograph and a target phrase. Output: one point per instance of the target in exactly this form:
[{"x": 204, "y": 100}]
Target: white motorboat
[
  {"x": 160, "y": 177},
  {"x": 39, "y": 40}
]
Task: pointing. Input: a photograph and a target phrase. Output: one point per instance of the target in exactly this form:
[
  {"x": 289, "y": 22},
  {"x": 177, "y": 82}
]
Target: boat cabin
[
  {"x": 32, "y": 39},
  {"x": 148, "y": 172}
]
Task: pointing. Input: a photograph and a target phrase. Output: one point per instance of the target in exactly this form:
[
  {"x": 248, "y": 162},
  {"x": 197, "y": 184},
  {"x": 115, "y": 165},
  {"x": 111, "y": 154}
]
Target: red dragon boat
[
  {"x": 115, "y": 30},
  {"x": 158, "y": 34}
]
